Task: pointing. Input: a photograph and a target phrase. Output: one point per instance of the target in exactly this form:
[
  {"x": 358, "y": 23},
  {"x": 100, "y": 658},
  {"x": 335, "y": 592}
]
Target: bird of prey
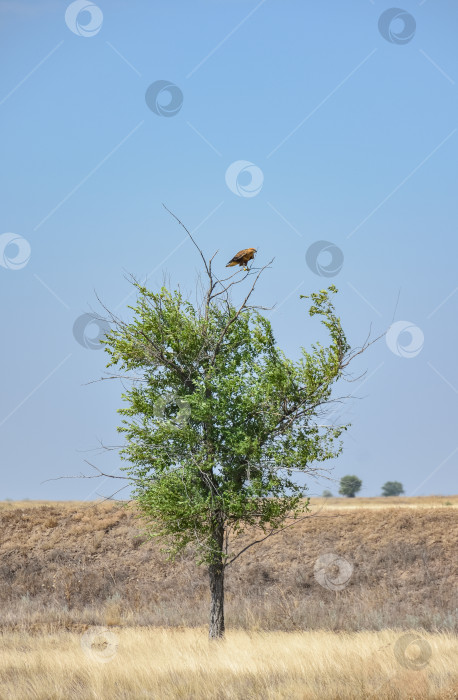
[{"x": 242, "y": 257}]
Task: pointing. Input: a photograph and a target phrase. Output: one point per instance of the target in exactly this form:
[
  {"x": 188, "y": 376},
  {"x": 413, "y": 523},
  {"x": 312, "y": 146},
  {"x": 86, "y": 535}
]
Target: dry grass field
[
  {"x": 67, "y": 569},
  {"x": 316, "y": 502},
  {"x": 66, "y": 566},
  {"x": 164, "y": 664}
]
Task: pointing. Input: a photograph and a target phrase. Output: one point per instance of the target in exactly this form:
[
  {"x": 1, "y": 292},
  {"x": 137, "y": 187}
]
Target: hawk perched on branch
[{"x": 242, "y": 257}]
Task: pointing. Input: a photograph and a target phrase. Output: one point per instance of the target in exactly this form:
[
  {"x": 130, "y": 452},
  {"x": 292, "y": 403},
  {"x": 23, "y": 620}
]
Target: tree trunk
[{"x": 216, "y": 575}]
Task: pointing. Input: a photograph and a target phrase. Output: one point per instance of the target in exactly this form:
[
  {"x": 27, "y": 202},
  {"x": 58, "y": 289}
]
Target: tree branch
[{"x": 192, "y": 239}]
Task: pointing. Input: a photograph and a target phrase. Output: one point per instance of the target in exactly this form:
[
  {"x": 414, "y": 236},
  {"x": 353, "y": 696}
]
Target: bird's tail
[{"x": 231, "y": 264}]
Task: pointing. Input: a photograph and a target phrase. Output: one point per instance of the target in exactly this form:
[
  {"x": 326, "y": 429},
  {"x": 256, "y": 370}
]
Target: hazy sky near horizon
[{"x": 324, "y": 134}]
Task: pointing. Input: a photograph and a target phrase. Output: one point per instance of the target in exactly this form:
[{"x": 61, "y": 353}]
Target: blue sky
[{"x": 349, "y": 136}]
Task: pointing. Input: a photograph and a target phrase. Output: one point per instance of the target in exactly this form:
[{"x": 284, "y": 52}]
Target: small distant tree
[
  {"x": 218, "y": 420},
  {"x": 392, "y": 488},
  {"x": 350, "y": 485},
  {"x": 327, "y": 494}
]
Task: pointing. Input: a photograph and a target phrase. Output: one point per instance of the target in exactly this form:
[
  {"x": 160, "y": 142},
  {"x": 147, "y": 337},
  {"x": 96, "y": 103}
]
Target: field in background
[
  {"x": 316, "y": 502},
  {"x": 72, "y": 565},
  {"x": 391, "y": 502},
  {"x": 170, "y": 664}
]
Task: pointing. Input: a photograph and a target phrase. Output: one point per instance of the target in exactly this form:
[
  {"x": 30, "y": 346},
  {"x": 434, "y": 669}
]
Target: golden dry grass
[
  {"x": 164, "y": 664},
  {"x": 316, "y": 502},
  {"x": 383, "y": 502},
  {"x": 67, "y": 567}
]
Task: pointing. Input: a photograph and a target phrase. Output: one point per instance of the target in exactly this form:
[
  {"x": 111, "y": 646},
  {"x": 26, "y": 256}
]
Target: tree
[
  {"x": 218, "y": 420},
  {"x": 392, "y": 488},
  {"x": 350, "y": 485},
  {"x": 327, "y": 494}
]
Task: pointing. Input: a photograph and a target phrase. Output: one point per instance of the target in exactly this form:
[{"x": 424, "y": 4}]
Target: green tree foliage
[
  {"x": 350, "y": 485},
  {"x": 218, "y": 422},
  {"x": 327, "y": 493},
  {"x": 392, "y": 488}
]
